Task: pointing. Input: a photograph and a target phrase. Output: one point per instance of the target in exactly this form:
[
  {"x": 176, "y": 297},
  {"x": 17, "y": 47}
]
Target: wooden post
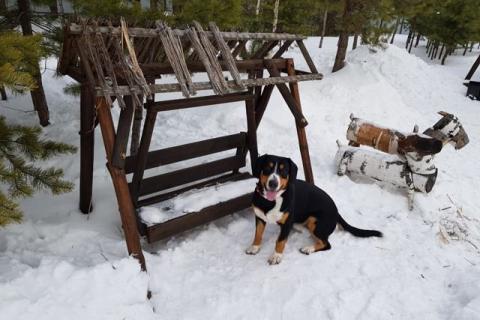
[
  {"x": 252, "y": 127},
  {"x": 302, "y": 136},
  {"x": 125, "y": 204},
  {"x": 87, "y": 143},
  {"x": 136, "y": 128},
  {"x": 3, "y": 93}
]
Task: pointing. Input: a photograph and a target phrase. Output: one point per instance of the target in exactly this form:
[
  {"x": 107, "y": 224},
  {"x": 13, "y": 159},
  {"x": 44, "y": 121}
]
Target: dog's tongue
[{"x": 271, "y": 195}]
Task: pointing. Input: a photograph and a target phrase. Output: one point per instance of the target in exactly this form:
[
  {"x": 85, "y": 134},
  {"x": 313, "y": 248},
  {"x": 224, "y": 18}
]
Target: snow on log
[
  {"x": 449, "y": 130},
  {"x": 392, "y": 169},
  {"x": 362, "y": 132}
]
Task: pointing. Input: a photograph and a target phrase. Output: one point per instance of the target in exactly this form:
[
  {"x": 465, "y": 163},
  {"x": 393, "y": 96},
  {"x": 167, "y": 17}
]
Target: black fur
[{"x": 302, "y": 200}]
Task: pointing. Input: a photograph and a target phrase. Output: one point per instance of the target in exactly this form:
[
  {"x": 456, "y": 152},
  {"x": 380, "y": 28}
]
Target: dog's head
[{"x": 274, "y": 174}]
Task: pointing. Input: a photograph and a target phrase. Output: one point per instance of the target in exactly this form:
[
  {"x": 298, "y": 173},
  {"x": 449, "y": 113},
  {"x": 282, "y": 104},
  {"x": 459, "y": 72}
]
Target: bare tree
[
  {"x": 395, "y": 30},
  {"x": 343, "y": 39},
  {"x": 324, "y": 27},
  {"x": 257, "y": 8},
  {"x": 275, "y": 15},
  {"x": 38, "y": 95}
]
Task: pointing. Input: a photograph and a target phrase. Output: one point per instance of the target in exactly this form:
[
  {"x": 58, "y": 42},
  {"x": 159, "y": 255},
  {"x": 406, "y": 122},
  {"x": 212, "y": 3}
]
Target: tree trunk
[
  {"x": 445, "y": 56},
  {"x": 257, "y": 8},
  {"x": 401, "y": 25},
  {"x": 465, "y": 51},
  {"x": 61, "y": 11},
  {"x": 411, "y": 43},
  {"x": 275, "y": 15},
  {"x": 428, "y": 45},
  {"x": 418, "y": 39},
  {"x": 53, "y": 8},
  {"x": 441, "y": 51},
  {"x": 342, "y": 44},
  {"x": 355, "y": 41},
  {"x": 38, "y": 95},
  {"x": 324, "y": 27},
  {"x": 408, "y": 39},
  {"x": 395, "y": 30},
  {"x": 471, "y": 46},
  {"x": 3, "y": 93},
  {"x": 154, "y": 5},
  {"x": 3, "y": 5}
]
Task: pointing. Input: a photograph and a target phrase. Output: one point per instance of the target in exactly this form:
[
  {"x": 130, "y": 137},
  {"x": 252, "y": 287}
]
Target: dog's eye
[{"x": 267, "y": 170}]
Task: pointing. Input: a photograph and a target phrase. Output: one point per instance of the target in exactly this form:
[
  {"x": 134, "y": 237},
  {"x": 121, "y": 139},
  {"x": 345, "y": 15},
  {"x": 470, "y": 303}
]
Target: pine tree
[{"x": 21, "y": 146}]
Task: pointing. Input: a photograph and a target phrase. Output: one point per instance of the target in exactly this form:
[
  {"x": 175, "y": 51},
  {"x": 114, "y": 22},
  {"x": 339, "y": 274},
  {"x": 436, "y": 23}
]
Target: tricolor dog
[{"x": 283, "y": 199}]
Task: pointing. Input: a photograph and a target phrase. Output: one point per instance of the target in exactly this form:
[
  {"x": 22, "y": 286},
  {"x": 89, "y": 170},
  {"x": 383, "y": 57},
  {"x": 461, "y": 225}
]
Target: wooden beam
[
  {"x": 141, "y": 158},
  {"x": 175, "y": 87},
  {"x": 302, "y": 136},
  {"x": 125, "y": 204},
  {"x": 188, "y": 151},
  {"x": 76, "y": 29},
  {"x": 169, "y": 195},
  {"x": 284, "y": 47},
  {"x": 252, "y": 127},
  {"x": 183, "y": 176},
  {"x": 194, "y": 219},
  {"x": 87, "y": 146},
  {"x": 123, "y": 132},
  {"x": 199, "y": 101},
  {"x": 262, "y": 103},
  {"x": 289, "y": 99},
  {"x": 307, "y": 57},
  {"x": 155, "y": 69}
]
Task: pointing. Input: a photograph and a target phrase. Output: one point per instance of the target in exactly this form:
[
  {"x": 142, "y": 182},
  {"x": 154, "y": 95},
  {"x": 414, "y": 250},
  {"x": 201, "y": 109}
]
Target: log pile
[{"x": 403, "y": 160}]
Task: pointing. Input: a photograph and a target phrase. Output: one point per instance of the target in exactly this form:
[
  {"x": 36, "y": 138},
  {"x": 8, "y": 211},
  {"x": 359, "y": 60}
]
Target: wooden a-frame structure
[{"x": 121, "y": 63}]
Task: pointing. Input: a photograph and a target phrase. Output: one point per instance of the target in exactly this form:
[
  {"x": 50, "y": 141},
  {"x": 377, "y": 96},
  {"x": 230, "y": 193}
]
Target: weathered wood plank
[
  {"x": 302, "y": 135},
  {"x": 199, "y": 101},
  {"x": 172, "y": 194},
  {"x": 175, "y": 87},
  {"x": 194, "y": 219},
  {"x": 307, "y": 57},
  {"x": 191, "y": 174},
  {"x": 188, "y": 151},
  {"x": 87, "y": 147},
  {"x": 123, "y": 132}
]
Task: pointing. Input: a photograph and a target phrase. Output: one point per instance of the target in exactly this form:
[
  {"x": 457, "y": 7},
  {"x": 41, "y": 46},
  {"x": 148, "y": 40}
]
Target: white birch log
[
  {"x": 449, "y": 130},
  {"x": 391, "y": 169}
]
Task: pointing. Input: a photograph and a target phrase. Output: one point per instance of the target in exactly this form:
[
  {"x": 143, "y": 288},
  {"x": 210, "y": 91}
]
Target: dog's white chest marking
[{"x": 273, "y": 215}]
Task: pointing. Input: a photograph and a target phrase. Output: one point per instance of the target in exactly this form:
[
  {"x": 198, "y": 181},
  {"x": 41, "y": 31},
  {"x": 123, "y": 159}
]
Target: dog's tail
[{"x": 362, "y": 233}]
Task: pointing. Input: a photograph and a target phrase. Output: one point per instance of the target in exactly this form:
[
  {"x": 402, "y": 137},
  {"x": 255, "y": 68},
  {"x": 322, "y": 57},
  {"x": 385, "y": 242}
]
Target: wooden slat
[
  {"x": 123, "y": 132},
  {"x": 199, "y": 101},
  {"x": 188, "y": 175},
  {"x": 141, "y": 158},
  {"x": 282, "y": 49},
  {"x": 152, "y": 32},
  {"x": 188, "y": 151},
  {"x": 261, "y": 106},
  {"x": 193, "y": 66},
  {"x": 194, "y": 219},
  {"x": 307, "y": 57},
  {"x": 210, "y": 182},
  {"x": 198, "y": 86}
]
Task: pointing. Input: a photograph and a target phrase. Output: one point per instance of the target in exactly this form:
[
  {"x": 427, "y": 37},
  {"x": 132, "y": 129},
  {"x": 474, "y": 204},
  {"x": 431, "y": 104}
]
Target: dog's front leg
[
  {"x": 285, "y": 228},
  {"x": 257, "y": 241}
]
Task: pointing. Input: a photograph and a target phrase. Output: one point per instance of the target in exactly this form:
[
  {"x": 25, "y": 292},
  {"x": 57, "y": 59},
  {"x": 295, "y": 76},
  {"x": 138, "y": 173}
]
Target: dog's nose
[{"x": 272, "y": 184}]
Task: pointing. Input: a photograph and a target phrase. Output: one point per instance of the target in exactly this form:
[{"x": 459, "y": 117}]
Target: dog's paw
[
  {"x": 276, "y": 258},
  {"x": 252, "y": 249},
  {"x": 307, "y": 249}
]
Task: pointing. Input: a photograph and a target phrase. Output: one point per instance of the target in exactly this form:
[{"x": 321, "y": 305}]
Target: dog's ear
[
  {"x": 257, "y": 168},
  {"x": 293, "y": 170}
]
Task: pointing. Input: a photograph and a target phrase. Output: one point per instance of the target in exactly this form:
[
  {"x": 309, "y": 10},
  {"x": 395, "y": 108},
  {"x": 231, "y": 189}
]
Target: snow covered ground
[{"x": 60, "y": 264}]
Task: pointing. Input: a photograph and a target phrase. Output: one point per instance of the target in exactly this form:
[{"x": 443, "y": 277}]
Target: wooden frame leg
[
  {"x": 87, "y": 143},
  {"x": 302, "y": 135},
  {"x": 125, "y": 204}
]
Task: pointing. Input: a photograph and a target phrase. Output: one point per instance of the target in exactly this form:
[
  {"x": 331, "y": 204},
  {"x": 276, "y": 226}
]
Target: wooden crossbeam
[
  {"x": 183, "y": 176},
  {"x": 199, "y": 86},
  {"x": 189, "y": 151},
  {"x": 76, "y": 29},
  {"x": 199, "y": 101}
]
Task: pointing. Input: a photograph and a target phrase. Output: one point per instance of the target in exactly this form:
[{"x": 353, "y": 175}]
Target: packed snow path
[{"x": 60, "y": 264}]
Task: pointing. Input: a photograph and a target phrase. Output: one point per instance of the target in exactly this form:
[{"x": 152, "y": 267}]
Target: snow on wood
[{"x": 195, "y": 200}]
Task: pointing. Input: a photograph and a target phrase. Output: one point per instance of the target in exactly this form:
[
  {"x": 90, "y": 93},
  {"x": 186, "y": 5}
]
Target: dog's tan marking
[
  {"x": 281, "y": 166},
  {"x": 311, "y": 223},
  {"x": 280, "y": 246},
  {"x": 319, "y": 244},
  {"x": 284, "y": 218},
  {"x": 260, "y": 228},
  {"x": 271, "y": 164},
  {"x": 263, "y": 179},
  {"x": 283, "y": 183}
]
